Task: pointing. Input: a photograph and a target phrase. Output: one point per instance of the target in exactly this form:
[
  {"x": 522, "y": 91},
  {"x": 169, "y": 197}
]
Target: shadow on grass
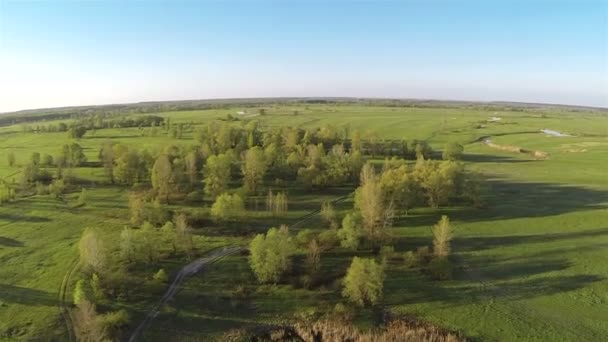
[
  {"x": 404, "y": 287},
  {"x": 8, "y": 242},
  {"x": 23, "y": 218},
  {"x": 481, "y": 243},
  {"x": 512, "y": 200},
  {"x": 21, "y": 295},
  {"x": 490, "y": 158}
]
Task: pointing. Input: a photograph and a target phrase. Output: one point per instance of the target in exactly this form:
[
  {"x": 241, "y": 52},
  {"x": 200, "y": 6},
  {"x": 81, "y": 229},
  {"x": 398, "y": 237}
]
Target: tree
[
  {"x": 376, "y": 214},
  {"x": 313, "y": 259},
  {"x": 191, "y": 163},
  {"x": 162, "y": 176},
  {"x": 87, "y": 325},
  {"x": 442, "y": 235},
  {"x": 106, "y": 155},
  {"x": 280, "y": 203},
  {"x": 227, "y": 207},
  {"x": 439, "y": 180},
  {"x": 363, "y": 282},
  {"x": 452, "y": 151},
  {"x": 328, "y": 214},
  {"x": 35, "y": 158},
  {"x": 92, "y": 251},
  {"x": 6, "y": 192},
  {"x": 350, "y": 234},
  {"x": 217, "y": 174},
  {"x": 254, "y": 168},
  {"x": 137, "y": 209},
  {"x": 72, "y": 156},
  {"x": 146, "y": 242},
  {"x": 47, "y": 160},
  {"x": 271, "y": 255},
  {"x": 184, "y": 234},
  {"x": 127, "y": 244},
  {"x": 224, "y": 138},
  {"x": 355, "y": 142},
  {"x": 399, "y": 186},
  {"x": 128, "y": 167},
  {"x": 474, "y": 188},
  {"x": 82, "y": 198},
  {"x": 11, "y": 159},
  {"x": 77, "y": 132}
]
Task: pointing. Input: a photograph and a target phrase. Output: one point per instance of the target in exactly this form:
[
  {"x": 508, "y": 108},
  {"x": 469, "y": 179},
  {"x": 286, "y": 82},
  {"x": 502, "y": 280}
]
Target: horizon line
[{"x": 495, "y": 102}]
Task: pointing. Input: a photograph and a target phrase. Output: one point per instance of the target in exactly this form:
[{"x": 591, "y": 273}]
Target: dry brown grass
[{"x": 401, "y": 330}]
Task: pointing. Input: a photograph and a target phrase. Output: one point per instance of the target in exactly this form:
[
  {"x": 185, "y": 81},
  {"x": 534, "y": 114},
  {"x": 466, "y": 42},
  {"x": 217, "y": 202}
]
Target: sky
[{"x": 67, "y": 53}]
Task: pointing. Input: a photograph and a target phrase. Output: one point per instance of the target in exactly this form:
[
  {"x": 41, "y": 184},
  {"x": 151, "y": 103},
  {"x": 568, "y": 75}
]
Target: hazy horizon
[{"x": 58, "y": 54}]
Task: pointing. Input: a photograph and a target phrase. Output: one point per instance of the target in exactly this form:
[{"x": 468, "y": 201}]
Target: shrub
[
  {"x": 161, "y": 276},
  {"x": 80, "y": 292},
  {"x": 113, "y": 322},
  {"x": 328, "y": 239},
  {"x": 304, "y": 237},
  {"x": 440, "y": 268},
  {"x": 386, "y": 253},
  {"x": 409, "y": 259},
  {"x": 452, "y": 151},
  {"x": 423, "y": 255}
]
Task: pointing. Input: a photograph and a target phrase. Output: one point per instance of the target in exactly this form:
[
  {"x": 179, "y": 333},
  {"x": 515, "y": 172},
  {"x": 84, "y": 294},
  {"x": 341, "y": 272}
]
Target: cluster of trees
[
  {"x": 398, "y": 188},
  {"x": 36, "y": 172}
]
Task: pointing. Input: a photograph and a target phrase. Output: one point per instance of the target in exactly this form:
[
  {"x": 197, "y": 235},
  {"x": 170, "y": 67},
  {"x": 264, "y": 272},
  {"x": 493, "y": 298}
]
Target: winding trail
[{"x": 186, "y": 271}]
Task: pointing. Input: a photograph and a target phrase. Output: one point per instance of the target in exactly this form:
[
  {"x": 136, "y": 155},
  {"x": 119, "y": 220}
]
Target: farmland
[{"x": 528, "y": 264}]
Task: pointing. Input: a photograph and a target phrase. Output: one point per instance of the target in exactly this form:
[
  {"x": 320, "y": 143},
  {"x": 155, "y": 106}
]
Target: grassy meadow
[{"x": 530, "y": 264}]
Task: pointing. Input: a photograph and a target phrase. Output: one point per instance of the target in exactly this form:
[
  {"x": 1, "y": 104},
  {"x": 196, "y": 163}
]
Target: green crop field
[{"x": 529, "y": 265}]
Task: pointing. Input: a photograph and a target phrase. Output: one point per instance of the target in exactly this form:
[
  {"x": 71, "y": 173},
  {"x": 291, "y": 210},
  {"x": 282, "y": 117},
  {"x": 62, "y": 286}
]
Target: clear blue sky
[{"x": 79, "y": 52}]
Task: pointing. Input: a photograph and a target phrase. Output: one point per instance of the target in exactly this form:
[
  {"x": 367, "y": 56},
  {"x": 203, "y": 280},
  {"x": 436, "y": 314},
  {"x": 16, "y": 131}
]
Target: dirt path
[{"x": 186, "y": 271}]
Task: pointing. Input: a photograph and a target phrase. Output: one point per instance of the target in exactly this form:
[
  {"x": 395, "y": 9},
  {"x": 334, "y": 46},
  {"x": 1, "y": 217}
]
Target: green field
[{"x": 530, "y": 264}]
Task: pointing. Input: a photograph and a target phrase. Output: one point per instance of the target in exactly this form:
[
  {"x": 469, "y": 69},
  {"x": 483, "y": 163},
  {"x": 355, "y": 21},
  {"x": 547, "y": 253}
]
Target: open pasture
[{"x": 529, "y": 265}]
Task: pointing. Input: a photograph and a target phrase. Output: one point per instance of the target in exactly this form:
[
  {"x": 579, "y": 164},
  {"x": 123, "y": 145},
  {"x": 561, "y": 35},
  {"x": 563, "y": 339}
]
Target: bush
[
  {"x": 386, "y": 253},
  {"x": 113, "y": 322},
  {"x": 423, "y": 255},
  {"x": 81, "y": 292},
  {"x": 410, "y": 259},
  {"x": 343, "y": 312},
  {"x": 161, "y": 276},
  {"x": 304, "y": 237},
  {"x": 440, "y": 268},
  {"x": 328, "y": 239}
]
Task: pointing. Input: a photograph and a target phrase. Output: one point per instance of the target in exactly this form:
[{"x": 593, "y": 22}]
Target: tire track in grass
[{"x": 64, "y": 306}]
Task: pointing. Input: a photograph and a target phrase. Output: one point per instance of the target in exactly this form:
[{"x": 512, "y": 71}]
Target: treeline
[
  {"x": 79, "y": 127},
  {"x": 159, "y": 107}
]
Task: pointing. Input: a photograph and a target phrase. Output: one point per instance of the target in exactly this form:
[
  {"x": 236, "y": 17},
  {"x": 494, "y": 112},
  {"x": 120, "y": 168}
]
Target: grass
[{"x": 530, "y": 264}]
